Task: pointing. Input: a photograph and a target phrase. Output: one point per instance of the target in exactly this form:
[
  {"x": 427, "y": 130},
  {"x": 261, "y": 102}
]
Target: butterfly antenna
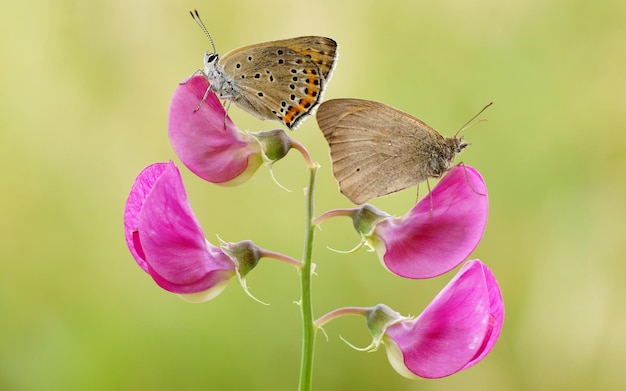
[
  {"x": 469, "y": 123},
  {"x": 196, "y": 17}
]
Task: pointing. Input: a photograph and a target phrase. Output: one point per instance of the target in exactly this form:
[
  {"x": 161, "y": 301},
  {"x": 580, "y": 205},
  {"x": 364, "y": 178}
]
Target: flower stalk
[{"x": 306, "y": 300}]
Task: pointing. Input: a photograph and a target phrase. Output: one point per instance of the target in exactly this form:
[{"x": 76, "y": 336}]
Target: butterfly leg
[
  {"x": 468, "y": 181},
  {"x": 206, "y": 94},
  {"x": 196, "y": 72},
  {"x": 226, "y": 105},
  {"x": 417, "y": 196},
  {"x": 430, "y": 194}
]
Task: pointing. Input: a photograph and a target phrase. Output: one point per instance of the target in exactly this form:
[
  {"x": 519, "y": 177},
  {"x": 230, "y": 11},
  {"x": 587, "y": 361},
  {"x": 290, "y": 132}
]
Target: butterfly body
[
  {"x": 278, "y": 80},
  {"x": 378, "y": 150}
]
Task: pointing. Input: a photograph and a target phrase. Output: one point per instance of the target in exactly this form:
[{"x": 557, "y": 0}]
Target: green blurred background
[{"x": 85, "y": 89}]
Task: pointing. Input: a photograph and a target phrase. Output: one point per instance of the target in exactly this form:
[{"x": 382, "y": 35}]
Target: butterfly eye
[{"x": 210, "y": 57}]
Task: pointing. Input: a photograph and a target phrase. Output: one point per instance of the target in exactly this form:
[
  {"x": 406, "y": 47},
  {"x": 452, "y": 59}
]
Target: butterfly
[
  {"x": 279, "y": 80},
  {"x": 378, "y": 150}
]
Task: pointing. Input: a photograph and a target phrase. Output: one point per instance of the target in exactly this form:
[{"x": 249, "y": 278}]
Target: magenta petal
[
  {"x": 207, "y": 141},
  {"x": 425, "y": 244},
  {"x": 165, "y": 238},
  {"x": 177, "y": 254},
  {"x": 141, "y": 187},
  {"x": 496, "y": 311},
  {"x": 457, "y": 329}
]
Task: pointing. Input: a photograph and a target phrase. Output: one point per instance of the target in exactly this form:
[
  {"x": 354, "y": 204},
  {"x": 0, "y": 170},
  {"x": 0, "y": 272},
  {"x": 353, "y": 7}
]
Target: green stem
[{"x": 306, "y": 302}]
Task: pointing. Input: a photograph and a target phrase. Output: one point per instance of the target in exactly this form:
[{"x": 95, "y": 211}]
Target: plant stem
[{"x": 306, "y": 302}]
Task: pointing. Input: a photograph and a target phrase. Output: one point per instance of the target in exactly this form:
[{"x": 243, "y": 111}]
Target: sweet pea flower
[
  {"x": 455, "y": 331},
  {"x": 206, "y": 140},
  {"x": 167, "y": 242},
  {"x": 436, "y": 235}
]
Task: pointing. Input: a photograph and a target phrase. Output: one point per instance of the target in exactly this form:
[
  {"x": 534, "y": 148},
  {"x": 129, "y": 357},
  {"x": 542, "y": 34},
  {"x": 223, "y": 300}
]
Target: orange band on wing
[{"x": 305, "y": 104}]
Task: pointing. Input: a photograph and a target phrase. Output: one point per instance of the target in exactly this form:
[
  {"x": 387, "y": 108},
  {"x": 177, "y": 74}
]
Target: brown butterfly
[
  {"x": 378, "y": 150},
  {"x": 279, "y": 80}
]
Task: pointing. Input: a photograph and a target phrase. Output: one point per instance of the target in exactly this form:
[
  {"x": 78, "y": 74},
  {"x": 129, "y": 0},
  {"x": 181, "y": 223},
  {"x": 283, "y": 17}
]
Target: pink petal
[
  {"x": 141, "y": 188},
  {"x": 177, "y": 254},
  {"x": 207, "y": 141},
  {"x": 165, "y": 238},
  {"x": 496, "y": 310},
  {"x": 421, "y": 245},
  {"x": 457, "y": 329}
]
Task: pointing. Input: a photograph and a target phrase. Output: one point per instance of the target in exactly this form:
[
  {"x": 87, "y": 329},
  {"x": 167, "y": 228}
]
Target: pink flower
[
  {"x": 207, "y": 141},
  {"x": 456, "y": 331},
  {"x": 431, "y": 239},
  {"x": 166, "y": 240}
]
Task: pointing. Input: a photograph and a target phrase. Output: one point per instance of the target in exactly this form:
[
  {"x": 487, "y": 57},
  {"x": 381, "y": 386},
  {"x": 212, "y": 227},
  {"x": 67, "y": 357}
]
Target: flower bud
[
  {"x": 275, "y": 143},
  {"x": 245, "y": 254}
]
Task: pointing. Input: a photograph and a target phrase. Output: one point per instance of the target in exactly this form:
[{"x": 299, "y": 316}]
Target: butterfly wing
[
  {"x": 375, "y": 149},
  {"x": 281, "y": 80},
  {"x": 321, "y": 50}
]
